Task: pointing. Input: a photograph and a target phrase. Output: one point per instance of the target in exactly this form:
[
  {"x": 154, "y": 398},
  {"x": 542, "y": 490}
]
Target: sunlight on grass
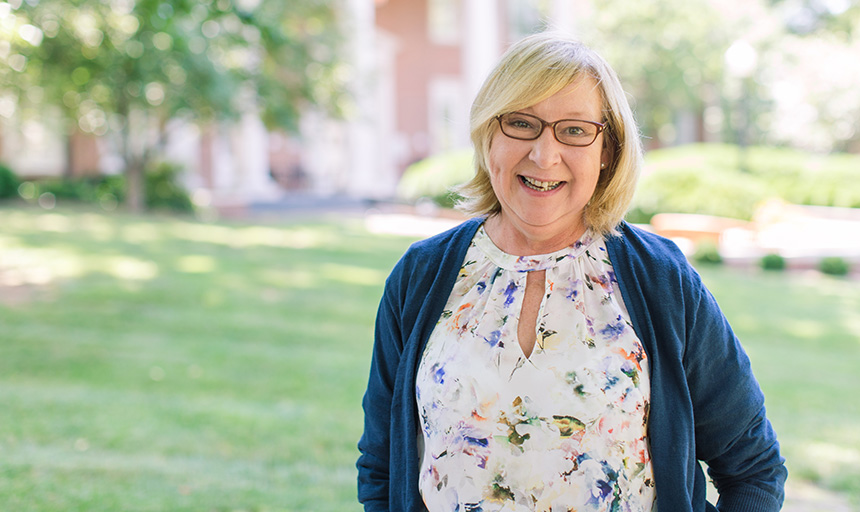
[
  {"x": 37, "y": 266},
  {"x": 54, "y": 222},
  {"x": 298, "y": 278},
  {"x": 352, "y": 274},
  {"x": 97, "y": 226},
  {"x": 196, "y": 264},
  {"x": 852, "y": 325},
  {"x": 830, "y": 465},
  {"x": 804, "y": 328},
  {"x": 255, "y": 236},
  {"x": 44, "y": 266},
  {"x": 141, "y": 233},
  {"x": 129, "y": 268}
]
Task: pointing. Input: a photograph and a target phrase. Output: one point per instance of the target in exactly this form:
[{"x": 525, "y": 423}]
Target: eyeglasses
[{"x": 571, "y": 132}]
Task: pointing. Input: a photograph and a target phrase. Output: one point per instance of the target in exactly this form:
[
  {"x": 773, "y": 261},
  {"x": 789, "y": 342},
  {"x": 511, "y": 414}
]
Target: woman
[{"x": 545, "y": 355}]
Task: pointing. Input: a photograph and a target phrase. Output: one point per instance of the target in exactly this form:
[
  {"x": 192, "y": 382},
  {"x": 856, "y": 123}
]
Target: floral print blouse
[{"x": 561, "y": 430}]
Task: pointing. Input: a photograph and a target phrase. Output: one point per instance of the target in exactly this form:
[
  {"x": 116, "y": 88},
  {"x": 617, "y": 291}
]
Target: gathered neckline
[{"x": 534, "y": 262}]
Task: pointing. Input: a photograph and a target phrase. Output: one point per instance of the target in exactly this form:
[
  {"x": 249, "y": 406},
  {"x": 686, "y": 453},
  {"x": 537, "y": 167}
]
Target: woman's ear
[
  {"x": 606, "y": 157},
  {"x": 608, "y": 152}
]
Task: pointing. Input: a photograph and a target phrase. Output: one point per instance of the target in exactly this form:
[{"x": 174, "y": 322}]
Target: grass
[
  {"x": 164, "y": 364},
  {"x": 151, "y": 363}
]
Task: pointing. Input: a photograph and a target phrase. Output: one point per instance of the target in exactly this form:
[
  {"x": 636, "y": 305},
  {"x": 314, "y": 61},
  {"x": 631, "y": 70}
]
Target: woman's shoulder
[
  {"x": 464, "y": 231},
  {"x": 430, "y": 255},
  {"x": 639, "y": 245},
  {"x": 439, "y": 245},
  {"x": 654, "y": 261}
]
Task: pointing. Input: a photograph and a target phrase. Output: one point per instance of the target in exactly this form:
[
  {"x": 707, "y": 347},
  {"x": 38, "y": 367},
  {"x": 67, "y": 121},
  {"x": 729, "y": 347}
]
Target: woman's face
[{"x": 544, "y": 185}]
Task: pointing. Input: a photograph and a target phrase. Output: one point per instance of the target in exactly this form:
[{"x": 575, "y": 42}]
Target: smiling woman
[
  {"x": 545, "y": 355},
  {"x": 541, "y": 182}
]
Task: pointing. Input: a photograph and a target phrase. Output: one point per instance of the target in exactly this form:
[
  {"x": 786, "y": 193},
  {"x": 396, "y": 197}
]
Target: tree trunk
[
  {"x": 135, "y": 192},
  {"x": 135, "y": 185},
  {"x": 67, "y": 167}
]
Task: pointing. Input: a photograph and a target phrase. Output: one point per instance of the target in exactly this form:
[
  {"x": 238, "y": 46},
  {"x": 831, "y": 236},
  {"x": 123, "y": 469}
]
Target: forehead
[{"x": 582, "y": 97}]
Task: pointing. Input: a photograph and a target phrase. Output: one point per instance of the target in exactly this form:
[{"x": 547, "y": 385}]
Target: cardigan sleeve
[
  {"x": 705, "y": 403},
  {"x": 374, "y": 445},
  {"x": 733, "y": 434},
  {"x": 415, "y": 294}
]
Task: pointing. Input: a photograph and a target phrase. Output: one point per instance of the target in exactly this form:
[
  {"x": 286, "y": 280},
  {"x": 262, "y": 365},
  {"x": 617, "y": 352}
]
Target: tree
[
  {"x": 806, "y": 17},
  {"x": 669, "y": 54},
  {"x": 673, "y": 57},
  {"x": 123, "y": 68},
  {"x": 814, "y": 79}
]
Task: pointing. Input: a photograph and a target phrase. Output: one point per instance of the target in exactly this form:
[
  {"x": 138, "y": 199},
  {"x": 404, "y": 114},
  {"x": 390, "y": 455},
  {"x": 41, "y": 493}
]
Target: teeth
[{"x": 540, "y": 185}]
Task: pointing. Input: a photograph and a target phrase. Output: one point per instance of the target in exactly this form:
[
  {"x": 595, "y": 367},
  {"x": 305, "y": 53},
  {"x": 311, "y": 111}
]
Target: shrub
[
  {"x": 433, "y": 177},
  {"x": 104, "y": 190},
  {"x": 697, "y": 191},
  {"x": 707, "y": 253},
  {"x": 834, "y": 265},
  {"x": 163, "y": 190},
  {"x": 704, "y": 178},
  {"x": 773, "y": 262},
  {"x": 9, "y": 183}
]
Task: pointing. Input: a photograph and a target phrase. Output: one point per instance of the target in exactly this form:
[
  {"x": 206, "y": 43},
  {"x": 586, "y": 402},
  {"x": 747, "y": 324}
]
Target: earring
[{"x": 603, "y": 165}]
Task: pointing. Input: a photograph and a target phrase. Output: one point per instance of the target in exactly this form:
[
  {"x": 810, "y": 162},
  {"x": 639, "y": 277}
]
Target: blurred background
[{"x": 199, "y": 202}]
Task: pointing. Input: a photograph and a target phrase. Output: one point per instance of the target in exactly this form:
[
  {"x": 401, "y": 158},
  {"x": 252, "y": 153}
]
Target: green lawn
[{"x": 153, "y": 363}]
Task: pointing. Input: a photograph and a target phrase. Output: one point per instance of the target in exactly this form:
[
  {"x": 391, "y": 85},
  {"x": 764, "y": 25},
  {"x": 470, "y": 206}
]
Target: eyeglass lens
[{"x": 572, "y": 132}]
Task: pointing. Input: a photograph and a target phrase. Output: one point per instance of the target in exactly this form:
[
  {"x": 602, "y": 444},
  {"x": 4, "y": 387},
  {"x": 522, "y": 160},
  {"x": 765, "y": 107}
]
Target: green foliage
[
  {"x": 705, "y": 191},
  {"x": 808, "y": 17},
  {"x": 435, "y": 176},
  {"x": 834, "y": 265},
  {"x": 773, "y": 262},
  {"x": 97, "y": 59},
  {"x": 672, "y": 58},
  {"x": 126, "y": 66},
  {"x": 163, "y": 190},
  {"x": 707, "y": 253},
  {"x": 8, "y": 183},
  {"x": 667, "y": 53},
  {"x": 705, "y": 179},
  {"x": 98, "y": 189}
]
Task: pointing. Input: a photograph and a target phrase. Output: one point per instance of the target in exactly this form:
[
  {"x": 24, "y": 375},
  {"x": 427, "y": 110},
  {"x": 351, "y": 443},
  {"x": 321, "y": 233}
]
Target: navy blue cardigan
[{"x": 705, "y": 403}]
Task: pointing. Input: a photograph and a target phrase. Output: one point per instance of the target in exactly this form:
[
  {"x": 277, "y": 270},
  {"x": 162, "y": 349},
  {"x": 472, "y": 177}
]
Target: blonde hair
[{"x": 531, "y": 71}]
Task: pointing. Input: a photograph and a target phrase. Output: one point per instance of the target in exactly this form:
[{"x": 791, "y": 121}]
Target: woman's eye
[
  {"x": 521, "y": 124},
  {"x": 574, "y": 130}
]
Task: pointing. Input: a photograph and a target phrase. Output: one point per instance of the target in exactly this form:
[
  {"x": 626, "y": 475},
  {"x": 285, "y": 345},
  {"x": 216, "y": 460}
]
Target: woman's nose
[{"x": 545, "y": 151}]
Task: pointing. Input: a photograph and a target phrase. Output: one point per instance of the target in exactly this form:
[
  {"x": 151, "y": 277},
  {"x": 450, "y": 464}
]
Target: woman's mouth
[{"x": 540, "y": 186}]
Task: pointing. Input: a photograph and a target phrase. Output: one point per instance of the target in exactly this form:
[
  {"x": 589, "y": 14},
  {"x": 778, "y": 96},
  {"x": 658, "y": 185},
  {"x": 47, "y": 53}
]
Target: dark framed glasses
[{"x": 571, "y": 132}]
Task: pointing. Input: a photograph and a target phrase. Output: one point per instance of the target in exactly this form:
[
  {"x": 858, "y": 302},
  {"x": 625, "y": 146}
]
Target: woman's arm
[
  {"x": 733, "y": 434},
  {"x": 373, "y": 464}
]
